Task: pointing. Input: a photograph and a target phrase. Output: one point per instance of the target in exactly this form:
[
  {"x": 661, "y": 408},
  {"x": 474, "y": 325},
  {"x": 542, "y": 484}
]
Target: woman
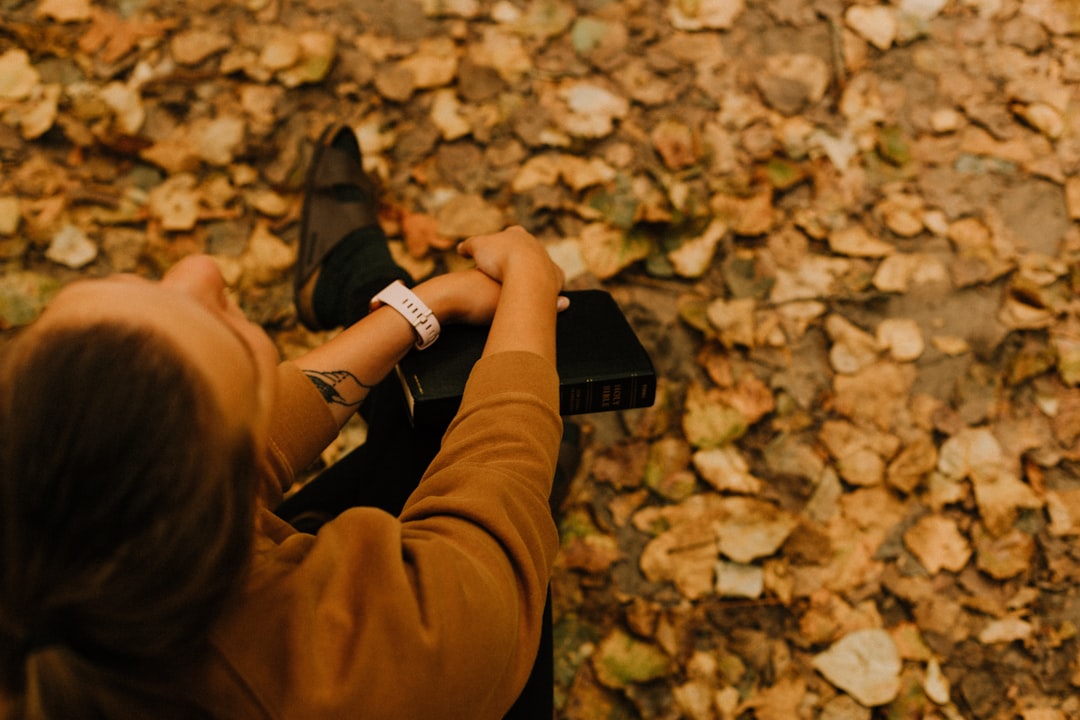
[{"x": 148, "y": 432}]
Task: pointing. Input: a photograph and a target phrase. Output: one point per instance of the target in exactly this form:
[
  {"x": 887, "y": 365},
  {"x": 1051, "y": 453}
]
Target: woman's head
[
  {"x": 131, "y": 415},
  {"x": 190, "y": 309}
]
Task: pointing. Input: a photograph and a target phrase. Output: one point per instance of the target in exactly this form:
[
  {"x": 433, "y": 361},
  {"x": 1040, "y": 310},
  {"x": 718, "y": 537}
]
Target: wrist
[
  {"x": 464, "y": 296},
  {"x": 436, "y": 296},
  {"x": 535, "y": 281}
]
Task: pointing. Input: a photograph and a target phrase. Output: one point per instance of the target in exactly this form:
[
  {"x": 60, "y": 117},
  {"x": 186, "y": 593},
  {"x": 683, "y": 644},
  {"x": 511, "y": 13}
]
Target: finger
[{"x": 562, "y": 303}]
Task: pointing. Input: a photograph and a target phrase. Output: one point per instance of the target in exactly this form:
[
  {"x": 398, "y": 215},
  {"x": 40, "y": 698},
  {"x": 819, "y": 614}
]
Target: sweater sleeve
[
  {"x": 484, "y": 504},
  {"x": 301, "y": 427},
  {"x": 436, "y": 613}
]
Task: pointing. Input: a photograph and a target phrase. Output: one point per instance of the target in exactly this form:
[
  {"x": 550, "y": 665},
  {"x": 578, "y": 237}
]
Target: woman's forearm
[
  {"x": 346, "y": 367},
  {"x": 525, "y": 316}
]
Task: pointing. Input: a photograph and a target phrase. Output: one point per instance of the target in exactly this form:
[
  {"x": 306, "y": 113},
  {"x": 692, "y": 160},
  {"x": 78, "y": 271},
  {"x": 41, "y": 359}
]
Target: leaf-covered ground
[{"x": 846, "y": 231}]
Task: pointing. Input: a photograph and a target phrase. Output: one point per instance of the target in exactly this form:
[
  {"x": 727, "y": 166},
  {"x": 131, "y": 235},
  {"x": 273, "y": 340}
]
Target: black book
[{"x": 601, "y": 363}]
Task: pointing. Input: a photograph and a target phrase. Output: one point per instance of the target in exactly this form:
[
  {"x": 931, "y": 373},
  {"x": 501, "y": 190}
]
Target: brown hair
[{"x": 126, "y": 520}]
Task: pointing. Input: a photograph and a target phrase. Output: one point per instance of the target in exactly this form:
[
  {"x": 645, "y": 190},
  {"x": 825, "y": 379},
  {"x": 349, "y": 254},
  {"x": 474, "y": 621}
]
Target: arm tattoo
[{"x": 338, "y": 387}]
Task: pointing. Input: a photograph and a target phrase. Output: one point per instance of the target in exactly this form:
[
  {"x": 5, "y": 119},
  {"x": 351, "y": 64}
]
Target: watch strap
[{"x": 413, "y": 309}]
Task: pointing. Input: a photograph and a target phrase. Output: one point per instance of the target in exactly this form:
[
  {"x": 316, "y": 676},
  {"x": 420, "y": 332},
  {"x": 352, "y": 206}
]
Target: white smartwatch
[{"x": 413, "y": 309}]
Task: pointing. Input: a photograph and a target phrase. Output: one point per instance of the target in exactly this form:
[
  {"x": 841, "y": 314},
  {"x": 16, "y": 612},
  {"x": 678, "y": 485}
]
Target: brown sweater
[{"x": 435, "y": 613}]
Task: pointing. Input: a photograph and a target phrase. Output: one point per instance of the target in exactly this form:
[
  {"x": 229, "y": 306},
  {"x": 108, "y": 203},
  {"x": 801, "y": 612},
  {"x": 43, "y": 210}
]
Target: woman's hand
[
  {"x": 510, "y": 252},
  {"x": 471, "y": 296},
  {"x": 529, "y": 297}
]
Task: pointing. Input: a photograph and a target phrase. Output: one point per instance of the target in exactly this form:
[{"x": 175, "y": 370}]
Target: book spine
[{"x": 607, "y": 394}]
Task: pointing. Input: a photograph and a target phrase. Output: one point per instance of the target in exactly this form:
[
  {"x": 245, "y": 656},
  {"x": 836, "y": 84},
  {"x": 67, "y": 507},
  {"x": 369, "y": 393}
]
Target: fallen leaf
[
  {"x": 703, "y": 527},
  {"x": 593, "y": 109},
  {"x": 739, "y": 580},
  {"x": 864, "y": 664},
  {"x": 902, "y": 338},
  {"x": 844, "y": 707},
  {"x": 434, "y": 64},
  {"x": 855, "y": 241},
  {"x": 704, "y": 14},
  {"x": 446, "y": 115},
  {"x": 860, "y": 454},
  {"x": 72, "y": 248},
  {"x": 503, "y": 52},
  {"x": 466, "y": 215},
  {"x": 862, "y": 104},
  {"x": 38, "y": 113},
  {"x": 876, "y": 394},
  {"x": 790, "y": 82},
  {"x": 1063, "y": 508},
  {"x": 579, "y": 173},
  {"x": 584, "y": 547},
  {"x": 938, "y": 544},
  {"x": 175, "y": 202},
  {"x": 874, "y": 23},
  {"x": 950, "y": 344},
  {"x": 23, "y": 295},
  {"x": 780, "y": 701},
  {"x": 267, "y": 259},
  {"x": 1043, "y": 117},
  {"x": 676, "y": 144},
  {"x": 1000, "y": 496},
  {"x": 910, "y": 642},
  {"x": 815, "y": 277},
  {"x": 1005, "y": 556},
  {"x": 64, "y": 11},
  {"x": 751, "y": 215},
  {"x": 915, "y": 461},
  {"x": 935, "y": 683},
  {"x": 607, "y": 250},
  {"x": 853, "y": 349},
  {"x": 451, "y": 8},
  {"x": 538, "y": 171},
  {"x": 1006, "y": 630},
  {"x": 686, "y": 555},
  {"x": 667, "y": 470},
  {"x": 621, "y": 660},
  {"x": 898, "y": 272},
  {"x": 281, "y": 51},
  {"x": 750, "y": 396},
  {"x": 694, "y": 699},
  {"x": 902, "y": 214},
  {"x": 126, "y": 104},
  {"x": 10, "y": 215},
  {"x": 708, "y": 421},
  {"x": 218, "y": 140},
  {"x": 748, "y": 529},
  {"x": 1065, "y": 340},
  {"x": 546, "y": 18},
  {"x": 18, "y": 78},
  {"x": 192, "y": 47},
  {"x": 726, "y": 470},
  {"x": 269, "y": 203},
  {"x": 893, "y": 146},
  {"x": 733, "y": 320},
  {"x": 112, "y": 37}
]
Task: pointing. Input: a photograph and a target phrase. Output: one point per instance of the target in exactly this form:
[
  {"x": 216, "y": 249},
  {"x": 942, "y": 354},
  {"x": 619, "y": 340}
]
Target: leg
[{"x": 343, "y": 261}]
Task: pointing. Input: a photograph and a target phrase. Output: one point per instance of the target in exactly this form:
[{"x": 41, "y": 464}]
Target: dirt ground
[{"x": 845, "y": 231}]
